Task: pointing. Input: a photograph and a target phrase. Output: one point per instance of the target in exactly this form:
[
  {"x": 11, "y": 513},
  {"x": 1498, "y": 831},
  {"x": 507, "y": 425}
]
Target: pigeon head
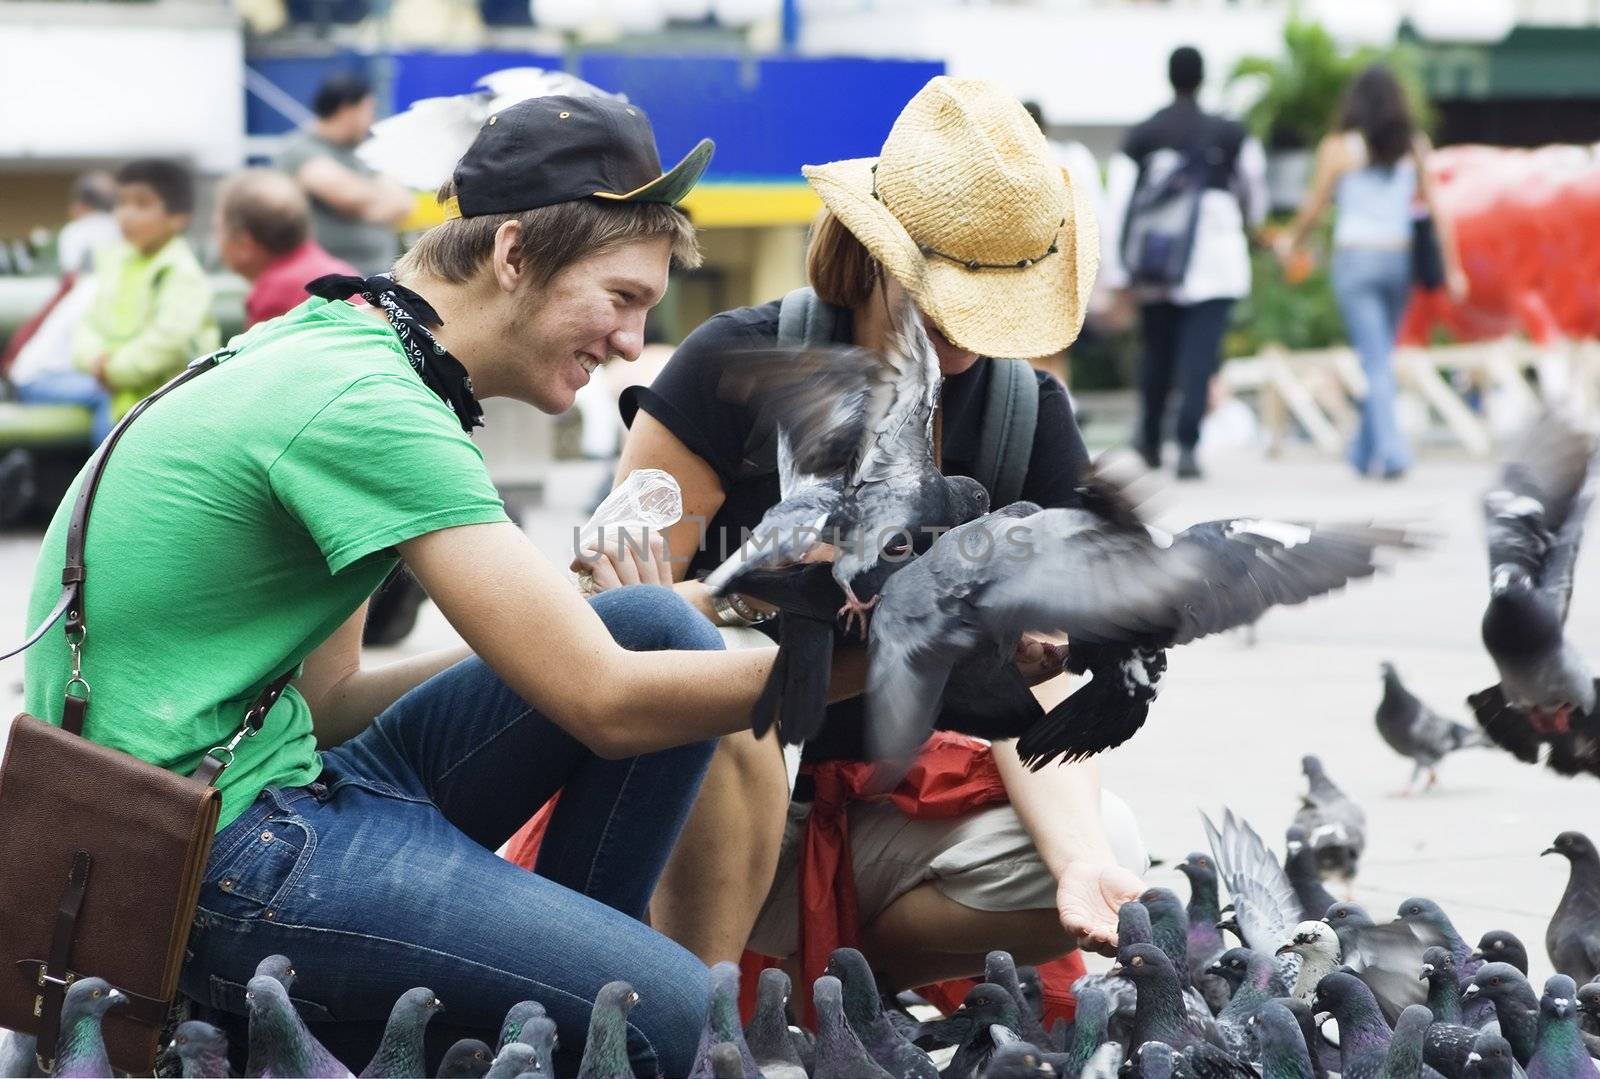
[
  {"x": 1491, "y": 1058},
  {"x": 1133, "y": 924},
  {"x": 265, "y": 996},
  {"x": 516, "y": 1018},
  {"x": 1199, "y": 868},
  {"x": 1343, "y": 915},
  {"x": 1573, "y": 846},
  {"x": 540, "y": 1032},
  {"x": 1560, "y": 999},
  {"x": 1295, "y": 838},
  {"x": 194, "y": 1040},
  {"x": 993, "y": 1002},
  {"x": 1388, "y": 671},
  {"x": 1493, "y": 981},
  {"x": 418, "y": 1004},
  {"x": 1417, "y": 911},
  {"x": 726, "y": 1060},
  {"x": 1232, "y": 966},
  {"x": 467, "y": 1058},
  {"x": 1141, "y": 962},
  {"x": 619, "y": 995},
  {"x": 1342, "y": 995},
  {"x": 516, "y": 1058},
  {"x": 1162, "y": 903},
  {"x": 1438, "y": 963},
  {"x": 827, "y": 994},
  {"x": 861, "y": 1003},
  {"x": 773, "y": 986},
  {"x": 89, "y": 997},
  {"x": 1589, "y": 999},
  {"x": 1312, "y": 939},
  {"x": 1311, "y": 766},
  {"x": 1018, "y": 1060},
  {"x": 862, "y": 567},
  {"x": 279, "y": 967},
  {"x": 1156, "y": 1060},
  {"x": 1498, "y": 945},
  {"x": 1276, "y": 1031}
]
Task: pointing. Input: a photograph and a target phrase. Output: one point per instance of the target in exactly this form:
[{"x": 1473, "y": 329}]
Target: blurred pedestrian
[
  {"x": 354, "y": 211},
  {"x": 90, "y": 225},
  {"x": 1373, "y": 168},
  {"x": 263, "y": 234},
  {"x": 1181, "y": 194},
  {"x": 151, "y": 310}
]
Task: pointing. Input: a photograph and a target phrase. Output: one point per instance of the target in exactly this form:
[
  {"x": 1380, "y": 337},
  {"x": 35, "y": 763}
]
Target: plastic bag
[{"x": 647, "y": 502}]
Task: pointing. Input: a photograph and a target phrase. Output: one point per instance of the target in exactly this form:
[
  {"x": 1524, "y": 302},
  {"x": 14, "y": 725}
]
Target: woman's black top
[{"x": 685, "y": 400}]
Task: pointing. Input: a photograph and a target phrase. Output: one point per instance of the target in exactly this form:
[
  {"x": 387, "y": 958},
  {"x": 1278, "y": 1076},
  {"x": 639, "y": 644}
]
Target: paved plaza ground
[{"x": 1234, "y": 719}]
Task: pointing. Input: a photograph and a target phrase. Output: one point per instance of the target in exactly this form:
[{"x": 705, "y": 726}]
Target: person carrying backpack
[
  {"x": 1183, "y": 191},
  {"x": 967, "y": 211}
]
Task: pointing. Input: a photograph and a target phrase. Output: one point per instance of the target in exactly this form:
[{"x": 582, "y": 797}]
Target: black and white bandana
[{"x": 411, "y": 316}]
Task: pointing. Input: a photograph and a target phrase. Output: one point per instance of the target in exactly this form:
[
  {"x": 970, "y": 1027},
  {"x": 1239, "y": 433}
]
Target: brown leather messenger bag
[{"x": 101, "y": 854}]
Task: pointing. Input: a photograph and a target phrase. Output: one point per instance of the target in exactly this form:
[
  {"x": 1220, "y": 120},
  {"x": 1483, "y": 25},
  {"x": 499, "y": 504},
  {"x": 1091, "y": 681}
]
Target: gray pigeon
[
  {"x": 1019, "y": 1060},
  {"x": 1088, "y": 1032},
  {"x": 1406, "y": 1051},
  {"x": 1416, "y": 731},
  {"x": 468, "y": 1058},
  {"x": 1516, "y": 1005},
  {"x": 971, "y": 1028},
  {"x": 1444, "y": 984},
  {"x": 81, "y": 1050},
  {"x": 863, "y": 1010},
  {"x": 1159, "y": 1013},
  {"x": 516, "y": 1018},
  {"x": 1573, "y": 937},
  {"x": 1280, "y": 1046},
  {"x": 201, "y": 1048},
  {"x": 1363, "y": 1034},
  {"x": 401, "y": 1053},
  {"x": 605, "y": 1053},
  {"x": 17, "y": 1057},
  {"x": 1265, "y": 905},
  {"x": 840, "y": 1054},
  {"x": 279, "y": 967},
  {"x": 1561, "y": 1053},
  {"x": 1155, "y": 1060},
  {"x": 1300, "y": 866},
  {"x": 767, "y": 1034},
  {"x": 1490, "y": 1058},
  {"x": 515, "y": 1059},
  {"x": 1432, "y": 925},
  {"x": 280, "y": 1044},
  {"x": 1205, "y": 939},
  {"x": 1336, "y": 828},
  {"x": 1001, "y": 969},
  {"x": 1132, "y": 595},
  {"x": 1387, "y": 959},
  {"x": 1535, "y": 517},
  {"x": 722, "y": 1022},
  {"x": 539, "y": 1034}
]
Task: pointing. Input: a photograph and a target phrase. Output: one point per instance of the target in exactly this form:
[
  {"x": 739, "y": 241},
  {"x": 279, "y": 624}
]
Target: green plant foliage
[{"x": 1298, "y": 316}]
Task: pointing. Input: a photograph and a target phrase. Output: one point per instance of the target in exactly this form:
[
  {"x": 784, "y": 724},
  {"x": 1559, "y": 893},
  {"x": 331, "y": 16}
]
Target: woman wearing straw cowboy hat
[{"x": 966, "y": 211}]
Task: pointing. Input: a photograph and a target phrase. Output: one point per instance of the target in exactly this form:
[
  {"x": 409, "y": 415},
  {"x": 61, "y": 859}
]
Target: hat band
[{"x": 973, "y": 264}]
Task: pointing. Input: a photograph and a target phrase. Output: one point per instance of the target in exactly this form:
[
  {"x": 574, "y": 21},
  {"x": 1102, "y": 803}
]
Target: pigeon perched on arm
[
  {"x": 1534, "y": 519},
  {"x": 1573, "y": 936},
  {"x": 1336, "y": 828},
  {"x": 1501, "y": 946},
  {"x": 605, "y": 1052},
  {"x": 1516, "y": 1005},
  {"x": 401, "y": 1053},
  {"x": 1416, "y": 731}
]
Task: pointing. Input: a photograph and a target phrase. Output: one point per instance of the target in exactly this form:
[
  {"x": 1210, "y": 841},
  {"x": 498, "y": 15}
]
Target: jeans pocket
[
  {"x": 250, "y": 880},
  {"x": 229, "y": 997}
]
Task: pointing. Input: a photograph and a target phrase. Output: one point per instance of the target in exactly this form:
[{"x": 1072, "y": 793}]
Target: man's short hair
[
  {"x": 1186, "y": 69},
  {"x": 338, "y": 91},
  {"x": 95, "y": 189},
  {"x": 267, "y": 206},
  {"x": 172, "y": 181},
  {"x": 553, "y": 237}
]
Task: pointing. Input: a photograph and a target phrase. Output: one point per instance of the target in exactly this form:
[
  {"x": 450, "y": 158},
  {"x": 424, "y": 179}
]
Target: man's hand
[
  {"x": 1039, "y": 660},
  {"x": 1087, "y": 897}
]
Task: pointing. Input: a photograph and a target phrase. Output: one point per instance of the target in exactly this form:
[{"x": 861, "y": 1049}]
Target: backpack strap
[
  {"x": 1010, "y": 417},
  {"x": 805, "y": 320}
]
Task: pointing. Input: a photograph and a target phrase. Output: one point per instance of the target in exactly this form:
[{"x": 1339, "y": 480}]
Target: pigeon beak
[
  {"x": 1469, "y": 992},
  {"x": 1473, "y": 1058},
  {"x": 1117, "y": 971},
  {"x": 1476, "y": 954},
  {"x": 1321, "y": 1017},
  {"x": 1284, "y": 950},
  {"x": 1427, "y": 971},
  {"x": 1215, "y": 968},
  {"x": 1548, "y": 850},
  {"x": 1563, "y": 1007},
  {"x": 114, "y": 997}
]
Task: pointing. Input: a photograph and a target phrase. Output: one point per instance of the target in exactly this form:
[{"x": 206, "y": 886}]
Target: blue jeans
[
  {"x": 71, "y": 388},
  {"x": 1183, "y": 344},
  {"x": 1372, "y": 286},
  {"x": 382, "y": 876}
]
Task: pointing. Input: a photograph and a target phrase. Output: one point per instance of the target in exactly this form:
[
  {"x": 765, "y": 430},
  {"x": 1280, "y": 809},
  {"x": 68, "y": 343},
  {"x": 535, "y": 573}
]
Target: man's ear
[{"x": 507, "y": 262}]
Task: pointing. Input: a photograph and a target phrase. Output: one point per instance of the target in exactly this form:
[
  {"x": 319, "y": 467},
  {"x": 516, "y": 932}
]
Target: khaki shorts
[{"x": 984, "y": 860}]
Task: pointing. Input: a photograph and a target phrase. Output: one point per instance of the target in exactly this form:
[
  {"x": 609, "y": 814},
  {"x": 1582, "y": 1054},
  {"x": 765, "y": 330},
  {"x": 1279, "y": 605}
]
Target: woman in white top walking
[{"x": 1374, "y": 168}]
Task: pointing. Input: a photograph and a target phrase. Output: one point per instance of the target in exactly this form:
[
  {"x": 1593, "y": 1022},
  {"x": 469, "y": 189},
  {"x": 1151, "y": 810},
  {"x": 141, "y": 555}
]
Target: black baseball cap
[{"x": 560, "y": 149}]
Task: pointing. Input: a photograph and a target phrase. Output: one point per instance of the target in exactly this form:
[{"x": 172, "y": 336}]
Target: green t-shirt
[{"x": 241, "y": 520}]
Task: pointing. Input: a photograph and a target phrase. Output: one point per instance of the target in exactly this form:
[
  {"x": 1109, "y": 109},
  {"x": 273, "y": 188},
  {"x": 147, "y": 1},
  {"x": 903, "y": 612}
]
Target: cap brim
[
  {"x": 1022, "y": 313},
  {"x": 671, "y": 186}
]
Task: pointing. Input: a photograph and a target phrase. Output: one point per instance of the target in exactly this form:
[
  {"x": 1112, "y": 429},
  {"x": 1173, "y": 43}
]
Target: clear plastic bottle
[{"x": 647, "y": 502}]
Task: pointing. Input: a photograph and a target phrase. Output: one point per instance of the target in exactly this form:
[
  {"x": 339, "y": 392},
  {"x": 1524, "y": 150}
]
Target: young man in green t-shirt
[{"x": 243, "y": 521}]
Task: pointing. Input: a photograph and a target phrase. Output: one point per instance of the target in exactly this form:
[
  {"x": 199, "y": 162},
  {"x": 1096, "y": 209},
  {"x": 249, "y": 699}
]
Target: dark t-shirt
[{"x": 684, "y": 398}]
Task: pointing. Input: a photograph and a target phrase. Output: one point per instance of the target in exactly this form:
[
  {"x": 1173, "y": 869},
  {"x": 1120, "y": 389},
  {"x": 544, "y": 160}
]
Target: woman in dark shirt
[{"x": 1041, "y": 875}]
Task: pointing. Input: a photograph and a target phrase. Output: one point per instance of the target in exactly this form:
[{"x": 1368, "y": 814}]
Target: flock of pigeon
[{"x": 1315, "y": 987}]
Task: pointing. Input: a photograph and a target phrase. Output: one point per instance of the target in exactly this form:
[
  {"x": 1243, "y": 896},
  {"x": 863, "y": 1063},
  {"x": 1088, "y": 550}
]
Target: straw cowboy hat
[{"x": 967, "y": 208}]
